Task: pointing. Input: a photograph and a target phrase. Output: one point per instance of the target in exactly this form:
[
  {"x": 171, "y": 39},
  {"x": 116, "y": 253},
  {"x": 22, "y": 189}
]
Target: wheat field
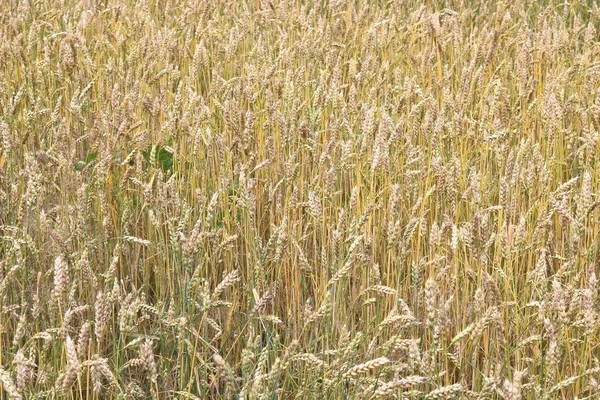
[{"x": 284, "y": 199}]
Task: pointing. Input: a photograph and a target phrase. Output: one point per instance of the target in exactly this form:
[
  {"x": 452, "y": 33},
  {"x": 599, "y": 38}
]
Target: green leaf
[
  {"x": 91, "y": 157},
  {"x": 80, "y": 165},
  {"x": 165, "y": 159}
]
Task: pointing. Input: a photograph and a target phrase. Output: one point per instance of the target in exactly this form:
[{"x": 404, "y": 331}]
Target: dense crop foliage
[{"x": 264, "y": 199}]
